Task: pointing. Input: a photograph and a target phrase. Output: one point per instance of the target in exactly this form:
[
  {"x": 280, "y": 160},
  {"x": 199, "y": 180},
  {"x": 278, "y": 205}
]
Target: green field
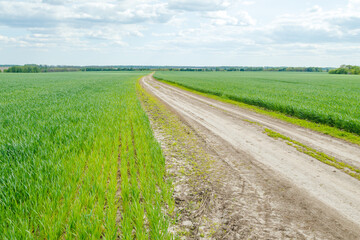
[
  {"x": 333, "y": 100},
  {"x": 78, "y": 159}
]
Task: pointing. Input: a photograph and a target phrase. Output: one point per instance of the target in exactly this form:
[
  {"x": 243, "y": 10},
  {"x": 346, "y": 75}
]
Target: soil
[{"x": 233, "y": 181}]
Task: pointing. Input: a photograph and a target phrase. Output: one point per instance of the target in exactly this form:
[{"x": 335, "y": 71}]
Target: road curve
[{"x": 335, "y": 189}]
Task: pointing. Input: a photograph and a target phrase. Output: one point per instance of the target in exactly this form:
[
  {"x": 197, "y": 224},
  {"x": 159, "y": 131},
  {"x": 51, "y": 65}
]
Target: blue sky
[{"x": 180, "y": 32}]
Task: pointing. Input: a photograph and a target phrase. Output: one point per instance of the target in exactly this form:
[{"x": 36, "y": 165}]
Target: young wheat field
[
  {"x": 333, "y": 100},
  {"x": 78, "y": 159}
]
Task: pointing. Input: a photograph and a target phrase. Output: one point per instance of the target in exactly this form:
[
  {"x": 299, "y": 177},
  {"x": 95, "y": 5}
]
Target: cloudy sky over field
[{"x": 180, "y": 32}]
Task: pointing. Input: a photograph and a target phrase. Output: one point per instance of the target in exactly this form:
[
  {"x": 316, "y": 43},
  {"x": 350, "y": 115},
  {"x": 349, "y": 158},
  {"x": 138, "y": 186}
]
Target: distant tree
[
  {"x": 24, "y": 69},
  {"x": 346, "y": 69}
]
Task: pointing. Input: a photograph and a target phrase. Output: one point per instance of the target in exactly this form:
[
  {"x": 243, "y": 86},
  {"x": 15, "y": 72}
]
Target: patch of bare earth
[{"x": 222, "y": 193}]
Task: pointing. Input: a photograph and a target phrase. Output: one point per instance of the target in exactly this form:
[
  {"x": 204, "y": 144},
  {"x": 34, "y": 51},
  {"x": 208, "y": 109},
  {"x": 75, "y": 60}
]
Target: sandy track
[{"x": 331, "y": 198}]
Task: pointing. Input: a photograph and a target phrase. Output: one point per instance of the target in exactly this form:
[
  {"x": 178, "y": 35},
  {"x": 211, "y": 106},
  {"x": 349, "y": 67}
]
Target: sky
[{"x": 180, "y": 32}]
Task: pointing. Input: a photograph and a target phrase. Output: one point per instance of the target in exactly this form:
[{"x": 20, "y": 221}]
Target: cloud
[
  {"x": 354, "y": 5},
  {"x": 56, "y": 2},
  {"x": 198, "y": 5},
  {"x": 314, "y": 9},
  {"x": 52, "y": 13},
  {"x": 312, "y": 32},
  {"x": 317, "y": 26},
  {"x": 247, "y": 3},
  {"x": 80, "y": 23},
  {"x": 302, "y": 34},
  {"x": 225, "y": 18},
  {"x": 19, "y": 42},
  {"x": 26, "y": 14},
  {"x": 6, "y": 39},
  {"x": 231, "y": 26},
  {"x": 145, "y": 13}
]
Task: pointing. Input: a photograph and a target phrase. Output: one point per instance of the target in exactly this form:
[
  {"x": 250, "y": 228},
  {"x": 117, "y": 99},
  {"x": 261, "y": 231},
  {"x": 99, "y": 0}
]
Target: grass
[
  {"x": 78, "y": 159},
  {"x": 322, "y": 102}
]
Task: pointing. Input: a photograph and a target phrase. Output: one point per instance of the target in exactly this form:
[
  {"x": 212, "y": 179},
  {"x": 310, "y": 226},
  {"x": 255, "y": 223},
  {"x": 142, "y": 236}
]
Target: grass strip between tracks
[
  {"x": 318, "y": 127},
  {"x": 322, "y": 157}
]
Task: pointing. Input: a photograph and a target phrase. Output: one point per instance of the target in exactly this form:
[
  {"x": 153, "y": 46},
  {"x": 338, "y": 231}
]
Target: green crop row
[
  {"x": 333, "y": 100},
  {"x": 78, "y": 159}
]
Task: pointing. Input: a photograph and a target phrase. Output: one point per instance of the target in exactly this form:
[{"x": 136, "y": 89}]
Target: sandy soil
[{"x": 272, "y": 190}]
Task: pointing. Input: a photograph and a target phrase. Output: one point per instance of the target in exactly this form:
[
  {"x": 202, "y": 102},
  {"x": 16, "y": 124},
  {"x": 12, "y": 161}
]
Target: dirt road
[{"x": 301, "y": 191}]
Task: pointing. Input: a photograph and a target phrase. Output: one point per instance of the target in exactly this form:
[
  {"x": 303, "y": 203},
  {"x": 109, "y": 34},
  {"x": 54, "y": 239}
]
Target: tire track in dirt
[{"x": 300, "y": 191}]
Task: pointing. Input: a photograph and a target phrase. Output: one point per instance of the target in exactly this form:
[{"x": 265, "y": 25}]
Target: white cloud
[
  {"x": 248, "y": 3},
  {"x": 80, "y": 24},
  {"x": 314, "y": 31},
  {"x": 7, "y": 39},
  {"x": 230, "y": 26},
  {"x": 198, "y": 5},
  {"x": 315, "y": 8},
  {"x": 317, "y": 25},
  {"x": 225, "y": 18},
  {"x": 354, "y": 5},
  {"x": 35, "y": 14},
  {"x": 56, "y": 2},
  {"x": 20, "y": 42}
]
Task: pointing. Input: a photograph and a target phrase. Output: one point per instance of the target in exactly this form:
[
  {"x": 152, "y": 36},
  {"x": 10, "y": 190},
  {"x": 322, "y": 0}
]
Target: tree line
[
  {"x": 346, "y": 69},
  {"x": 23, "y": 69},
  {"x": 245, "y": 69},
  {"x": 32, "y": 68}
]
